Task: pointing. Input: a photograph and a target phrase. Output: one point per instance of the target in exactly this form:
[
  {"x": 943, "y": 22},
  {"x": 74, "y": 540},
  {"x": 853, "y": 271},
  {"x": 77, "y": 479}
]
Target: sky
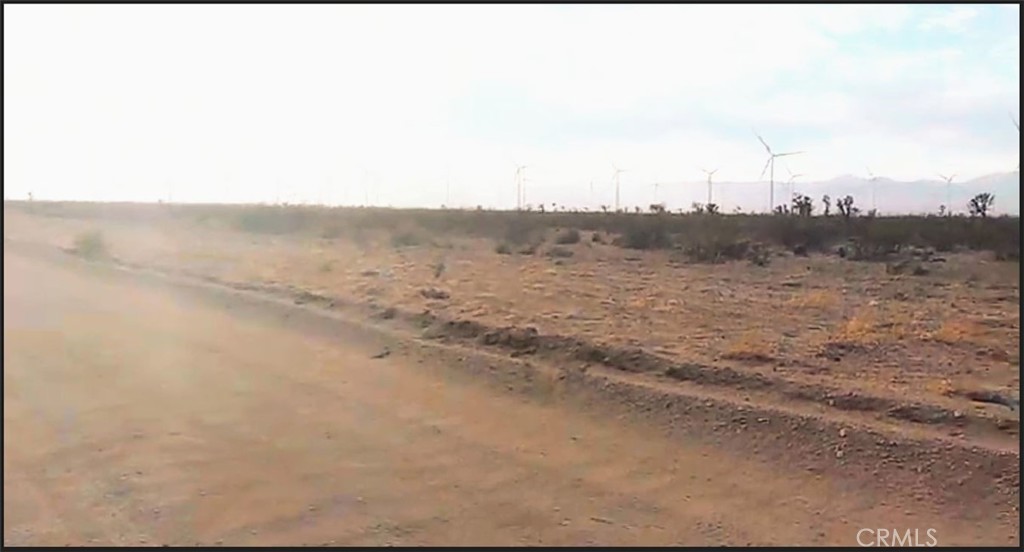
[{"x": 409, "y": 105}]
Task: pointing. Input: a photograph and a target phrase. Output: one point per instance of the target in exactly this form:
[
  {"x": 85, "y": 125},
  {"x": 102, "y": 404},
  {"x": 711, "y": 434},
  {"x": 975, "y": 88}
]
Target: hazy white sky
[{"x": 325, "y": 102}]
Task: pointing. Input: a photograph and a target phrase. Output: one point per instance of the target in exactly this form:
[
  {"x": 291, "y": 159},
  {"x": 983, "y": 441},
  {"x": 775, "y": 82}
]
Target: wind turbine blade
[
  {"x": 763, "y": 143},
  {"x": 765, "y": 169},
  {"x": 1015, "y": 123},
  {"x": 788, "y": 153},
  {"x": 714, "y": 171}
]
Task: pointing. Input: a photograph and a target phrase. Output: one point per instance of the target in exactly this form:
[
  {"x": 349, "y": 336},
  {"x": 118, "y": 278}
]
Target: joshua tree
[
  {"x": 604, "y": 208},
  {"x": 802, "y": 205},
  {"x": 698, "y": 207},
  {"x": 711, "y": 208},
  {"x": 658, "y": 208},
  {"x": 980, "y": 204},
  {"x": 827, "y": 202},
  {"x": 846, "y": 207}
]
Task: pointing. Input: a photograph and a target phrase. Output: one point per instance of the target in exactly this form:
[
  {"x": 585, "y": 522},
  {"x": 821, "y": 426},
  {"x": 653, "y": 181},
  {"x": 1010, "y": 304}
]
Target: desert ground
[{"x": 197, "y": 380}]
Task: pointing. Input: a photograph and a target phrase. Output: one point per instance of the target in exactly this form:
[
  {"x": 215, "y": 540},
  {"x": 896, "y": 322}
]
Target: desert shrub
[
  {"x": 529, "y": 249},
  {"x": 522, "y": 230},
  {"x": 879, "y": 239},
  {"x": 91, "y": 245},
  {"x": 566, "y": 237},
  {"x": 559, "y": 252},
  {"x": 1008, "y": 253},
  {"x": 714, "y": 249},
  {"x": 806, "y": 233},
  {"x": 759, "y": 255},
  {"x": 646, "y": 232},
  {"x": 406, "y": 238},
  {"x": 272, "y": 220},
  {"x": 503, "y": 249},
  {"x": 331, "y": 231},
  {"x": 999, "y": 234}
]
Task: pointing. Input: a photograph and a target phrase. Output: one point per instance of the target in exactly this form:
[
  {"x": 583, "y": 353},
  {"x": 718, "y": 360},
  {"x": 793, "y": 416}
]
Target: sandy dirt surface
[
  {"x": 812, "y": 319},
  {"x": 139, "y": 415}
]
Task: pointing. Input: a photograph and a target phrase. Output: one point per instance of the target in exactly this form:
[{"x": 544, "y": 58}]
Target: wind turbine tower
[
  {"x": 520, "y": 188},
  {"x": 770, "y": 166},
  {"x": 949, "y": 190},
  {"x": 873, "y": 179},
  {"x": 792, "y": 177},
  {"x": 615, "y": 176},
  {"x": 710, "y": 174}
]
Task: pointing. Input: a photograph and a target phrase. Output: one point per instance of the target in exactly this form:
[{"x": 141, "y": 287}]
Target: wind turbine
[
  {"x": 710, "y": 174},
  {"x": 615, "y": 176},
  {"x": 949, "y": 187},
  {"x": 873, "y": 179},
  {"x": 770, "y": 164},
  {"x": 792, "y": 177},
  {"x": 520, "y": 191}
]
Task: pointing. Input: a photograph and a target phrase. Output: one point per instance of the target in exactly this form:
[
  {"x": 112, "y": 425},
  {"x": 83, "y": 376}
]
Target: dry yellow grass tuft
[
  {"x": 753, "y": 346},
  {"x": 819, "y": 299},
  {"x": 872, "y": 325},
  {"x": 957, "y": 331},
  {"x": 859, "y": 328},
  {"x": 942, "y": 387}
]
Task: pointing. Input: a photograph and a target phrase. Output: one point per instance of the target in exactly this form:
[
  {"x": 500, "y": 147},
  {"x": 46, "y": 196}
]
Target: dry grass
[
  {"x": 754, "y": 345},
  {"x": 876, "y": 324},
  {"x": 859, "y": 328},
  {"x": 942, "y": 387},
  {"x": 815, "y": 299},
  {"x": 957, "y": 331}
]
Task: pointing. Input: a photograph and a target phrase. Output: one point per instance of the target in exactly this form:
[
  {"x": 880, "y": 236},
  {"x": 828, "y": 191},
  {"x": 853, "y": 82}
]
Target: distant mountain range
[{"x": 892, "y": 196}]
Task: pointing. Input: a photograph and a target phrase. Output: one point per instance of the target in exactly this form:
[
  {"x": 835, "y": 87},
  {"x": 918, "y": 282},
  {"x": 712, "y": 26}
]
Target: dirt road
[{"x": 135, "y": 415}]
